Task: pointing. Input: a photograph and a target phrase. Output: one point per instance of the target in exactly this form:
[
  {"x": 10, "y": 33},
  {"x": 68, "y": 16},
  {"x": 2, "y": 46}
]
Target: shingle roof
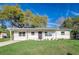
[{"x": 38, "y": 29}]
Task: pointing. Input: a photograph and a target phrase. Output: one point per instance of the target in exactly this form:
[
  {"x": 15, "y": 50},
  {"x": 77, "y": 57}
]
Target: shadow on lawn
[{"x": 69, "y": 53}]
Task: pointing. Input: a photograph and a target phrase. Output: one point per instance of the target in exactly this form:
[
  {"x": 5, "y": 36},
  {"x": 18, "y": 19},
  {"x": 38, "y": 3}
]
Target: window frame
[
  {"x": 21, "y": 33},
  {"x": 62, "y": 32},
  {"x": 48, "y": 33},
  {"x": 32, "y": 33}
]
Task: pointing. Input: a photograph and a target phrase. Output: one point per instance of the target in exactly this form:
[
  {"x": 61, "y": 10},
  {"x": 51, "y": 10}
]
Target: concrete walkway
[{"x": 8, "y": 42}]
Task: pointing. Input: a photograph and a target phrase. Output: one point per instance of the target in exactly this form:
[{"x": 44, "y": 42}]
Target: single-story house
[{"x": 38, "y": 33}]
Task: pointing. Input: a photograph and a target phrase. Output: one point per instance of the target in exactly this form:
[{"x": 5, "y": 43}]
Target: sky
[{"x": 54, "y": 11}]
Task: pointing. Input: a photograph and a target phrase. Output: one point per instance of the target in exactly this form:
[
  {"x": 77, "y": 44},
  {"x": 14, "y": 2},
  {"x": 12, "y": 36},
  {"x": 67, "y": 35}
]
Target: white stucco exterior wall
[
  {"x": 1, "y": 36},
  {"x": 33, "y": 37},
  {"x": 17, "y": 37},
  {"x": 49, "y": 37},
  {"x": 29, "y": 36},
  {"x": 65, "y": 36}
]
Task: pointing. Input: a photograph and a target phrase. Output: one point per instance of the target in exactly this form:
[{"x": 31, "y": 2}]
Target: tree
[
  {"x": 76, "y": 23},
  {"x": 20, "y": 18},
  {"x": 39, "y": 21},
  {"x": 68, "y": 23},
  {"x": 72, "y": 23},
  {"x": 35, "y": 20},
  {"x": 28, "y": 17},
  {"x": 12, "y": 13}
]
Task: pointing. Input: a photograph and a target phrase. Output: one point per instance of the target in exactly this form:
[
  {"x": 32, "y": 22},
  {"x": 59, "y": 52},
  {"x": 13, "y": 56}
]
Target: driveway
[{"x": 8, "y": 42}]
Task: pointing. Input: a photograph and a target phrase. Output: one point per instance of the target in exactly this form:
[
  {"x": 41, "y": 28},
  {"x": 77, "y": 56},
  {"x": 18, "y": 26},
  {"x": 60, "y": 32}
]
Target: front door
[{"x": 40, "y": 35}]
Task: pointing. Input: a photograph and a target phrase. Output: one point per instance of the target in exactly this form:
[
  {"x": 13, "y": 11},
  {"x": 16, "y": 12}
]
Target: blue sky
[{"x": 53, "y": 10}]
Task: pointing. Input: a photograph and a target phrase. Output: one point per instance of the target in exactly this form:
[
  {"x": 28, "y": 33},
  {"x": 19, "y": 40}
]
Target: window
[
  {"x": 48, "y": 33},
  {"x": 45, "y": 33},
  {"x": 62, "y": 33},
  {"x": 21, "y": 33},
  {"x": 32, "y": 33}
]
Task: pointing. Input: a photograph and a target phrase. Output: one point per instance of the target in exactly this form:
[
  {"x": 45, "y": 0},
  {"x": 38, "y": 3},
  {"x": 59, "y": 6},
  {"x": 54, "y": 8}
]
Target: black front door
[{"x": 40, "y": 35}]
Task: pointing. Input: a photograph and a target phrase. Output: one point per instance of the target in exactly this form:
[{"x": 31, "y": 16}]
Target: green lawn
[
  {"x": 52, "y": 47},
  {"x": 4, "y": 39}
]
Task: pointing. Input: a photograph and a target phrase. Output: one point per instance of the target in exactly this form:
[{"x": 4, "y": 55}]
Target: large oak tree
[{"x": 22, "y": 18}]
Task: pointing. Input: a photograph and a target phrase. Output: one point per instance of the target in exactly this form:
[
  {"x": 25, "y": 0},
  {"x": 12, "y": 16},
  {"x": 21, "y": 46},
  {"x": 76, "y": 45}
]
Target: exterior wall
[
  {"x": 49, "y": 37},
  {"x": 29, "y": 36},
  {"x": 17, "y": 37},
  {"x": 33, "y": 37},
  {"x": 1, "y": 36},
  {"x": 65, "y": 36}
]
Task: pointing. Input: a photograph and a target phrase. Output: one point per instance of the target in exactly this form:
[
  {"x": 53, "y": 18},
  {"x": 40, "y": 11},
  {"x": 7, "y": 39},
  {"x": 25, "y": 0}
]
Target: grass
[
  {"x": 46, "y": 47},
  {"x": 4, "y": 39}
]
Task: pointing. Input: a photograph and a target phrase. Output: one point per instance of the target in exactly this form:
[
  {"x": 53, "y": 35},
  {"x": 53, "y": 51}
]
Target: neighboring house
[
  {"x": 38, "y": 33},
  {"x": 3, "y": 35}
]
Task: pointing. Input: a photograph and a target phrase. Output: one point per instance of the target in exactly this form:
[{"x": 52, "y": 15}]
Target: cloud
[
  {"x": 75, "y": 13},
  {"x": 53, "y": 25}
]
